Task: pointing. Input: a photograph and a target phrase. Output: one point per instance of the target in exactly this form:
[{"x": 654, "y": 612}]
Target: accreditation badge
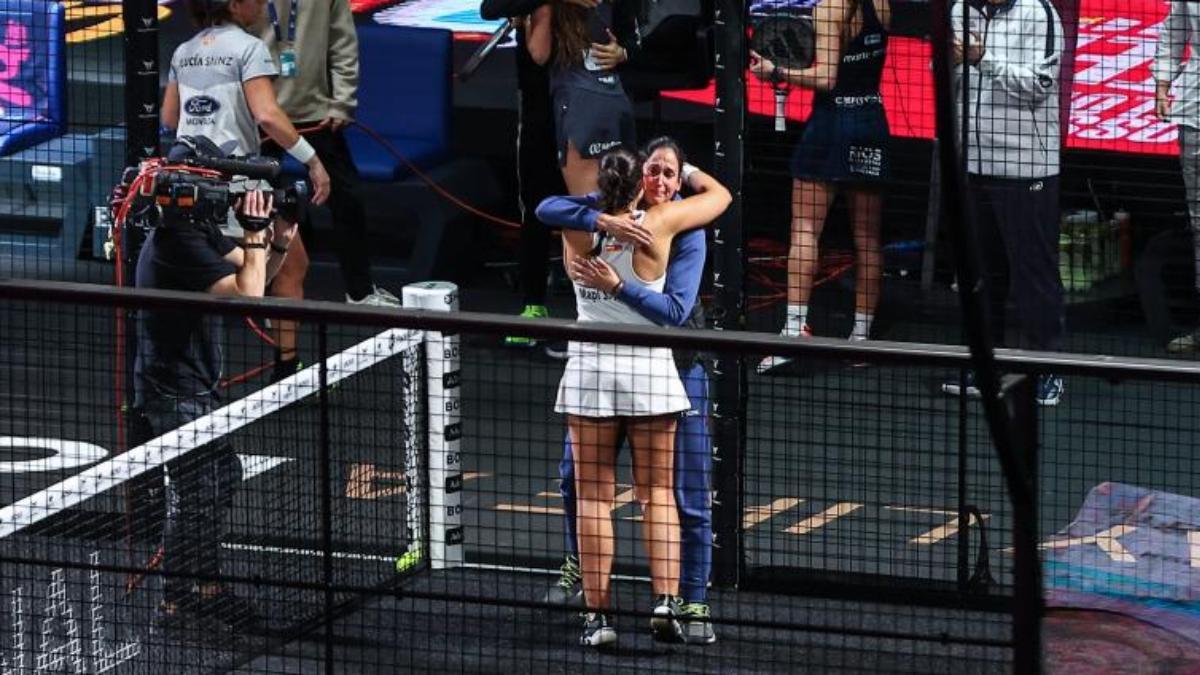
[{"x": 287, "y": 63}]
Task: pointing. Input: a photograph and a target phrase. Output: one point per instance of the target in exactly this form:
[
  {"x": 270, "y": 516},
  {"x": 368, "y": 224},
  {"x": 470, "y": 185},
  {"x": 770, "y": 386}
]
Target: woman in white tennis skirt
[{"x": 609, "y": 388}]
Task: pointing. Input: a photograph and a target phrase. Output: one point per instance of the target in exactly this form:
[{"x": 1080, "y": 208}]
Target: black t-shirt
[{"x": 179, "y": 352}]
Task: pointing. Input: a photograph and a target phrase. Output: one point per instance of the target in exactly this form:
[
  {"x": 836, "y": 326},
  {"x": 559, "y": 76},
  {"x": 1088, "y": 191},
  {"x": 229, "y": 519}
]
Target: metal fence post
[
  {"x": 729, "y": 312},
  {"x": 325, "y": 470},
  {"x": 1028, "y": 602}
]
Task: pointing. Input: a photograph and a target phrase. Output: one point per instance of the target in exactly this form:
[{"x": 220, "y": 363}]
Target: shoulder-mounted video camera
[{"x": 196, "y": 185}]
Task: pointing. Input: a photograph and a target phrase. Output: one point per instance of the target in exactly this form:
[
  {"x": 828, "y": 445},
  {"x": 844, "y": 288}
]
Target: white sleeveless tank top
[{"x": 593, "y": 304}]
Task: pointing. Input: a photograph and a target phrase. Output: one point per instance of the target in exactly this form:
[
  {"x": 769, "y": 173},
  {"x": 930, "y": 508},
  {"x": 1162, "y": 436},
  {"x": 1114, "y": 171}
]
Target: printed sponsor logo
[
  {"x": 597, "y": 148},
  {"x": 65, "y": 630},
  {"x": 201, "y": 106},
  {"x": 592, "y": 295},
  {"x": 866, "y": 161}
]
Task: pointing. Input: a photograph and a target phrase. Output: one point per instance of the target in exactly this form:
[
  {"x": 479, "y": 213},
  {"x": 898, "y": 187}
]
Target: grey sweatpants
[{"x": 1189, "y": 160}]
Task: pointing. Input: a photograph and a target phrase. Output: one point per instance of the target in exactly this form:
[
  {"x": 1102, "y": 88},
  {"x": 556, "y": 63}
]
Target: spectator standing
[
  {"x": 315, "y": 46},
  {"x": 1179, "y": 37},
  {"x": 844, "y": 149},
  {"x": 538, "y": 176},
  {"x": 1012, "y": 52}
]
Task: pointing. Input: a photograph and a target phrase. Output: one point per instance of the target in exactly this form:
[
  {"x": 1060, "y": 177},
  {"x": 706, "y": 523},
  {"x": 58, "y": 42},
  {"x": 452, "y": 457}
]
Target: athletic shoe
[
  {"x": 1185, "y": 344},
  {"x": 697, "y": 623},
  {"x": 772, "y": 362},
  {"x": 530, "y": 312},
  {"x": 596, "y": 631},
  {"x": 557, "y": 350},
  {"x": 378, "y": 297},
  {"x": 1049, "y": 390},
  {"x": 954, "y": 387},
  {"x": 568, "y": 590},
  {"x": 664, "y": 624}
]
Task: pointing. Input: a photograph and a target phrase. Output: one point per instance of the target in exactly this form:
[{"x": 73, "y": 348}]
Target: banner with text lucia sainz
[{"x": 1112, "y": 105}]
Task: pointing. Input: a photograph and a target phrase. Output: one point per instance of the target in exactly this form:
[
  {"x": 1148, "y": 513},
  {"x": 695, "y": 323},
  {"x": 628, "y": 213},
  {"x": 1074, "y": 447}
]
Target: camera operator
[
  {"x": 220, "y": 87},
  {"x": 177, "y": 375}
]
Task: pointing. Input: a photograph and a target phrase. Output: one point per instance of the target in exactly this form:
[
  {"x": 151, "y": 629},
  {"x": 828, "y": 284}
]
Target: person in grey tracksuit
[
  {"x": 1008, "y": 54},
  {"x": 1177, "y": 99}
]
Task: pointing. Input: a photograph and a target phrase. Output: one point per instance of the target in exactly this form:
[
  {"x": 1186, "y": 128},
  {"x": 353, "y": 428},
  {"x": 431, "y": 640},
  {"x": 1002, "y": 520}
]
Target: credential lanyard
[{"x": 291, "y": 36}]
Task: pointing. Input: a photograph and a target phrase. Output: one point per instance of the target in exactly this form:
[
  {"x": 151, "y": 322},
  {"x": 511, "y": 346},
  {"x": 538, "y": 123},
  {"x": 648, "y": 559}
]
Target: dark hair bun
[{"x": 620, "y": 179}]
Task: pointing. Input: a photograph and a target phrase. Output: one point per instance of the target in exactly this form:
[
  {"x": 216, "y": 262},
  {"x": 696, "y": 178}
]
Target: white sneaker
[
  {"x": 772, "y": 362},
  {"x": 378, "y": 297}
]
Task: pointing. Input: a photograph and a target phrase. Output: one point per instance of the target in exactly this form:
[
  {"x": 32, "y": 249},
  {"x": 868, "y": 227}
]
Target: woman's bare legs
[
  {"x": 581, "y": 175},
  {"x": 653, "y": 443},
  {"x": 593, "y": 442},
  {"x": 289, "y": 283},
  {"x": 866, "y": 208},
  {"x": 810, "y": 206}
]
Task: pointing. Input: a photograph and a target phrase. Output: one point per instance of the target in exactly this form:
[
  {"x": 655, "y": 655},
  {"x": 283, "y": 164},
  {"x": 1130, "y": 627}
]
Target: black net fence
[
  {"x": 1080, "y": 99},
  {"x": 398, "y": 503},
  {"x": 64, "y": 138}
]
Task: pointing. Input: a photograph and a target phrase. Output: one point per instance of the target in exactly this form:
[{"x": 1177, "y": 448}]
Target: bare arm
[
  {"x": 169, "y": 115},
  {"x": 537, "y": 35},
  {"x": 260, "y": 97},
  {"x": 829, "y": 20},
  {"x": 577, "y": 246}
]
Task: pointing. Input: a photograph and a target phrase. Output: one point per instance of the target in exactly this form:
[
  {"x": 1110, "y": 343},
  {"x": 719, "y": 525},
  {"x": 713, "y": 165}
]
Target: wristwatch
[
  {"x": 255, "y": 244},
  {"x": 777, "y": 77}
]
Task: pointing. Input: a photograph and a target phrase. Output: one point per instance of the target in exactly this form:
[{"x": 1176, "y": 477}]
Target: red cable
[
  {"x": 259, "y": 332},
  {"x": 441, "y": 191},
  {"x": 432, "y": 183}
]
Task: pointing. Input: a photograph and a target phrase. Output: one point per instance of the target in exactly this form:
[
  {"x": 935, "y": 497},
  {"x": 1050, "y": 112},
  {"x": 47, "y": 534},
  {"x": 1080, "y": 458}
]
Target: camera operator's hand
[
  {"x": 254, "y": 214},
  {"x": 320, "y": 181}
]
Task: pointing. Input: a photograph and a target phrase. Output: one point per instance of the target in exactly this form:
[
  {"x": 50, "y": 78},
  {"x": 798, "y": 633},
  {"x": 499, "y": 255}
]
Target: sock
[
  {"x": 797, "y": 316},
  {"x": 862, "y": 326},
  {"x": 284, "y": 366}
]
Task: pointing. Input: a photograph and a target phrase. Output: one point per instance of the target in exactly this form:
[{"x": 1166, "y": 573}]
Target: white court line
[
  {"x": 155, "y": 453},
  {"x": 310, "y": 553},
  {"x": 346, "y": 555}
]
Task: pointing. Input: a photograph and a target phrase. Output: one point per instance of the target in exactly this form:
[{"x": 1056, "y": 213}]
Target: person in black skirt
[{"x": 844, "y": 148}]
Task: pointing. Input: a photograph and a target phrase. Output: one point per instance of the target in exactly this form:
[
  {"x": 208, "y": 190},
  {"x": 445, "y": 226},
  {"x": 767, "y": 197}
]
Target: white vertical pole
[{"x": 444, "y": 428}]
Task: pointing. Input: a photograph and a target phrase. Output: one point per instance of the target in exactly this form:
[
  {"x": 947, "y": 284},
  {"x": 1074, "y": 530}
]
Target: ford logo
[{"x": 201, "y": 106}]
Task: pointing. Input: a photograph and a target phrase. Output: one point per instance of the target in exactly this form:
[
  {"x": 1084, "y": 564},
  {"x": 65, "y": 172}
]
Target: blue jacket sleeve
[
  {"x": 572, "y": 213},
  {"x": 673, "y": 306}
]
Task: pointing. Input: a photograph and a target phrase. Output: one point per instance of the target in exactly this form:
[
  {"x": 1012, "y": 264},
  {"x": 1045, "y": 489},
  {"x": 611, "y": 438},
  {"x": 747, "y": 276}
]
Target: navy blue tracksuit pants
[
  {"x": 1018, "y": 221},
  {"x": 693, "y": 468}
]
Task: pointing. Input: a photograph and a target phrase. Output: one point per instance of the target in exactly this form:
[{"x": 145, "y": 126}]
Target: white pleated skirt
[{"x": 604, "y": 380}]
